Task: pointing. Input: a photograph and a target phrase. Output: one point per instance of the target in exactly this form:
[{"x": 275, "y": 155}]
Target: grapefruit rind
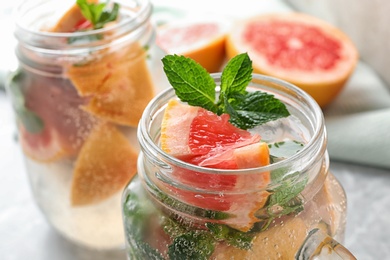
[
  {"x": 322, "y": 85},
  {"x": 200, "y": 40},
  {"x": 105, "y": 164}
]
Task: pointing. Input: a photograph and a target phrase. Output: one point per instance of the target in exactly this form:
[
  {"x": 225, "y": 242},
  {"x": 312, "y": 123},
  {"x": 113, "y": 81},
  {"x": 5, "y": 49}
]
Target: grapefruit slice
[
  {"x": 200, "y": 137},
  {"x": 282, "y": 241},
  {"x": 200, "y": 40},
  {"x": 65, "y": 126},
  {"x": 43, "y": 146},
  {"x": 119, "y": 85},
  {"x": 105, "y": 164},
  {"x": 298, "y": 48}
]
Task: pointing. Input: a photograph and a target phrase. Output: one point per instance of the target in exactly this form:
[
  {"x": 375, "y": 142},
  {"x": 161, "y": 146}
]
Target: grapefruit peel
[{"x": 298, "y": 48}]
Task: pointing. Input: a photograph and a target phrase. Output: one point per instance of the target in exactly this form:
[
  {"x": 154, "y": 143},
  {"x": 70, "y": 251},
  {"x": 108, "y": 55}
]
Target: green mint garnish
[
  {"x": 232, "y": 236},
  {"x": 197, "y": 245},
  {"x": 30, "y": 120},
  {"x": 285, "y": 198},
  {"x": 194, "y": 85},
  {"x": 98, "y": 14}
]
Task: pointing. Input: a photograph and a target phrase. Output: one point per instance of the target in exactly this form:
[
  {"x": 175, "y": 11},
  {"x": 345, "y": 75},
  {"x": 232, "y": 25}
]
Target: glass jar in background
[
  {"x": 176, "y": 210},
  {"x": 78, "y": 97}
]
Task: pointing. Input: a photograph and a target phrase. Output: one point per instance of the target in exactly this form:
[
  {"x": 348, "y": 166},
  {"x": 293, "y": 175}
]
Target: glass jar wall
[
  {"x": 78, "y": 96},
  {"x": 176, "y": 210}
]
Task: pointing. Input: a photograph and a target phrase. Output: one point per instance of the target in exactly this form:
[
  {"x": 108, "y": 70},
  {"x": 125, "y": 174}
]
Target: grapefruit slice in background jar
[
  {"x": 298, "y": 48},
  {"x": 201, "y": 39}
]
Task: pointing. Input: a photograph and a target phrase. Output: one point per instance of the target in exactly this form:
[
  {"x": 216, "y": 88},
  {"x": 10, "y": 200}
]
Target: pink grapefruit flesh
[
  {"x": 202, "y": 138},
  {"x": 298, "y": 48}
]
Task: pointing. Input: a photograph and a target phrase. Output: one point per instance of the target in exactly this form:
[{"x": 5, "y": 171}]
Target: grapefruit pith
[
  {"x": 298, "y": 48},
  {"x": 202, "y": 41},
  {"x": 202, "y": 138}
]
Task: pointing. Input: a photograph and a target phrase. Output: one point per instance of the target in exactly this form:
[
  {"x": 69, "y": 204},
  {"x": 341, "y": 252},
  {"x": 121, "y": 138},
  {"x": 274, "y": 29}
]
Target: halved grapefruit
[
  {"x": 105, "y": 164},
  {"x": 200, "y": 137},
  {"x": 200, "y": 40},
  {"x": 298, "y": 48}
]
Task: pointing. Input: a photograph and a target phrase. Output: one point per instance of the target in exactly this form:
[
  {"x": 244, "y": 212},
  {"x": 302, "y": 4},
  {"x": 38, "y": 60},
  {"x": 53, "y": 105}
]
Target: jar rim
[{"x": 317, "y": 139}]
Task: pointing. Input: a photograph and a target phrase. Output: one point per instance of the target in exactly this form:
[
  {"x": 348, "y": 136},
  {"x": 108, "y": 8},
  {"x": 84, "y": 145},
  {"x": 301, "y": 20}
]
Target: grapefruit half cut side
[
  {"x": 200, "y": 40},
  {"x": 200, "y": 137},
  {"x": 298, "y": 48}
]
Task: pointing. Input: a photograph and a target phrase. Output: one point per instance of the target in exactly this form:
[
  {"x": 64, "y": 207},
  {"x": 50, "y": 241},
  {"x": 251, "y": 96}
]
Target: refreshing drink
[
  {"x": 84, "y": 79},
  {"x": 250, "y": 182}
]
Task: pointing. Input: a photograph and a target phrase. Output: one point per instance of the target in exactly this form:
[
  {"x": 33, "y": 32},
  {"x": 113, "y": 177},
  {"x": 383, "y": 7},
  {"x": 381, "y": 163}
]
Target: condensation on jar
[
  {"x": 78, "y": 97},
  {"x": 175, "y": 210}
]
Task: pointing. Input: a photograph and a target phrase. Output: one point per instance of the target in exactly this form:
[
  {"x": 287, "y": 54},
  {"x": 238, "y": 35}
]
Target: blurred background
[{"x": 358, "y": 124}]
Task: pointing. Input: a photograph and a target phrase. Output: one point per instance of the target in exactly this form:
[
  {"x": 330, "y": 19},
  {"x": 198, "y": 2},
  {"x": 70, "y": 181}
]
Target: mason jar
[
  {"x": 78, "y": 97},
  {"x": 176, "y": 210}
]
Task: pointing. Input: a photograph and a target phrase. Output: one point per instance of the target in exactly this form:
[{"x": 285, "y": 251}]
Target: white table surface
[{"x": 25, "y": 234}]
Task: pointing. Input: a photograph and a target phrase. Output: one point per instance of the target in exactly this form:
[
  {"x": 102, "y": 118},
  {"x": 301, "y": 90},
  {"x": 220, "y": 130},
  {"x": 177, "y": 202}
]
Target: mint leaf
[
  {"x": 285, "y": 198},
  {"x": 192, "y": 83},
  {"x": 197, "y": 245},
  {"x": 236, "y": 75},
  {"x": 284, "y": 149},
  {"x": 97, "y": 14},
  {"x": 255, "y": 108},
  {"x": 29, "y": 119},
  {"x": 232, "y": 236}
]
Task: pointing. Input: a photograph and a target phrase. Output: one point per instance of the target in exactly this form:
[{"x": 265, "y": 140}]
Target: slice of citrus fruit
[
  {"x": 105, "y": 164},
  {"x": 119, "y": 85},
  {"x": 200, "y": 40},
  {"x": 43, "y": 146},
  {"x": 282, "y": 241},
  {"x": 64, "y": 125},
  {"x": 206, "y": 139},
  {"x": 298, "y": 48}
]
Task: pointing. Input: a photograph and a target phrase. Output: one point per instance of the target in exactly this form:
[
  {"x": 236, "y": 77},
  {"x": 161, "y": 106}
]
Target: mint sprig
[
  {"x": 29, "y": 119},
  {"x": 194, "y": 85},
  {"x": 98, "y": 14},
  {"x": 285, "y": 200}
]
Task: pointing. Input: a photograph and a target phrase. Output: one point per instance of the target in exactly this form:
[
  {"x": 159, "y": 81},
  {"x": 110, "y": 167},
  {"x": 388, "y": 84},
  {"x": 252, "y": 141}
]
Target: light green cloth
[{"x": 358, "y": 121}]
